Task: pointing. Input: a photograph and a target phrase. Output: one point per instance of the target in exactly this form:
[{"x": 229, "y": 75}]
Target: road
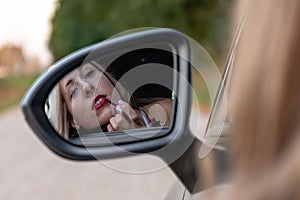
[{"x": 28, "y": 170}]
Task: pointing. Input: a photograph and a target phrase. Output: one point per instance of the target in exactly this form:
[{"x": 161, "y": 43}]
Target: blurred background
[{"x": 34, "y": 34}]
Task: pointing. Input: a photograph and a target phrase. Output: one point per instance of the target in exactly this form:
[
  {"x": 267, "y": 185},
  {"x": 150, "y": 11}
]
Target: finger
[
  {"x": 158, "y": 113},
  {"x": 129, "y": 111},
  {"x": 114, "y": 124},
  {"x": 122, "y": 120},
  {"x": 110, "y": 128},
  {"x": 122, "y": 123},
  {"x": 125, "y": 116}
]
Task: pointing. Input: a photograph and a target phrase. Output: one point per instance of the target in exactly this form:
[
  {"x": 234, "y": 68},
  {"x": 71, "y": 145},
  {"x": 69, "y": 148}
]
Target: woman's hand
[{"x": 125, "y": 118}]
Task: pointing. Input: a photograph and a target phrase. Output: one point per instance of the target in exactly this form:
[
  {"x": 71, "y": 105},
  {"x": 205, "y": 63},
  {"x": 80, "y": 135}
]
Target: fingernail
[
  {"x": 119, "y": 109},
  {"x": 120, "y": 101}
]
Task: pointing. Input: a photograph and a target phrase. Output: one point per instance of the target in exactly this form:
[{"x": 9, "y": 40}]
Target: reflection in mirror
[{"x": 133, "y": 91}]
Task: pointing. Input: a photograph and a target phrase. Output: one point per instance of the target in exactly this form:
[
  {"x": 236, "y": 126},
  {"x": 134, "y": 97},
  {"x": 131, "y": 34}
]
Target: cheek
[
  {"x": 83, "y": 114},
  {"x": 105, "y": 86}
]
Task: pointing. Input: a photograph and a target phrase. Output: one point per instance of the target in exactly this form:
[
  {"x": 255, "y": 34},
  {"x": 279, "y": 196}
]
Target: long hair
[{"x": 265, "y": 103}]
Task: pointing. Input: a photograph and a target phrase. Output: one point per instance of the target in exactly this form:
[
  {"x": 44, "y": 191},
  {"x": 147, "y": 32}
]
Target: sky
[{"x": 27, "y": 23}]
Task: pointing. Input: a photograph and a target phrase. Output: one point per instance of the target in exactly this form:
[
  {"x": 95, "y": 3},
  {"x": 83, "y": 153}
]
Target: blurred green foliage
[
  {"x": 12, "y": 88},
  {"x": 78, "y": 23}
]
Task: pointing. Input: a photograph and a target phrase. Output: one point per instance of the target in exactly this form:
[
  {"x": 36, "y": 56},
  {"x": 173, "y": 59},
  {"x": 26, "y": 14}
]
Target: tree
[{"x": 78, "y": 23}]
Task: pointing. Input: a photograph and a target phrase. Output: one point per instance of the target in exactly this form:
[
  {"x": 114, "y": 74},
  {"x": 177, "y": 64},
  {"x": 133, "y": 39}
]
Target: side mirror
[
  {"x": 148, "y": 70},
  {"x": 75, "y": 107}
]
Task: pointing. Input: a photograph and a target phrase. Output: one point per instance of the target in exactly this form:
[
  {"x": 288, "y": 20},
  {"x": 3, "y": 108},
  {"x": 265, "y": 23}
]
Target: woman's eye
[
  {"x": 89, "y": 74},
  {"x": 73, "y": 92}
]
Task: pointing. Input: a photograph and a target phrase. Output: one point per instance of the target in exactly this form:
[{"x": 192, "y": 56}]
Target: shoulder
[
  {"x": 159, "y": 110},
  {"x": 166, "y": 104}
]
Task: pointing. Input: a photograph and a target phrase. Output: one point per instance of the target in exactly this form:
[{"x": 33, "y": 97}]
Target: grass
[{"x": 12, "y": 89}]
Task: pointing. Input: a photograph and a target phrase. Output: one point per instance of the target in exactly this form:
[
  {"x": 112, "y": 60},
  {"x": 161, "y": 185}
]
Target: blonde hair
[{"x": 265, "y": 103}]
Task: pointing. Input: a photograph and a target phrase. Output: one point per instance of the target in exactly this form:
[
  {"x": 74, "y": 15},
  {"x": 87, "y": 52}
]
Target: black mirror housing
[{"x": 164, "y": 141}]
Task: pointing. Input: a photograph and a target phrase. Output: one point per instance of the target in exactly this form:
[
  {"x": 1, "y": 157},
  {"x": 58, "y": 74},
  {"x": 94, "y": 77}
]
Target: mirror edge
[{"x": 33, "y": 104}]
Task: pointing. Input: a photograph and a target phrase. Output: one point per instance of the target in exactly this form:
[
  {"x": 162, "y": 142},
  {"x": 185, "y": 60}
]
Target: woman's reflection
[{"x": 93, "y": 97}]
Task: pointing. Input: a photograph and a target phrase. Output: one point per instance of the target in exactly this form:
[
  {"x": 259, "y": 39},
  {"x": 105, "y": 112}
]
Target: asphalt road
[{"x": 28, "y": 170}]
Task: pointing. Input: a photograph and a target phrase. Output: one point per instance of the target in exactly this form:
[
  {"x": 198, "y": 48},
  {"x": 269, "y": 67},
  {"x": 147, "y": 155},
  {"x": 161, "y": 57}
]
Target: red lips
[{"x": 99, "y": 101}]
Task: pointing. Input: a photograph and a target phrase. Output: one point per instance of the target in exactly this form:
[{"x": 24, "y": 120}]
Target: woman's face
[{"x": 83, "y": 91}]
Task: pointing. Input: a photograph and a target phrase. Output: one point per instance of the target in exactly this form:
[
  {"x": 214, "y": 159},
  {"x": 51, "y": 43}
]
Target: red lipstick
[{"x": 99, "y": 101}]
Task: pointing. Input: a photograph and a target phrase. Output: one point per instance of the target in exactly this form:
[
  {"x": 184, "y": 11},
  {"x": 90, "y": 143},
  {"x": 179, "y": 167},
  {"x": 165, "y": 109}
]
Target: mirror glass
[{"x": 116, "y": 93}]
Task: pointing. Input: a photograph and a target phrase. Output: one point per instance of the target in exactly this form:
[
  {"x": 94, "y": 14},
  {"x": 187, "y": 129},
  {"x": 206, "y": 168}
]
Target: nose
[{"x": 87, "y": 88}]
